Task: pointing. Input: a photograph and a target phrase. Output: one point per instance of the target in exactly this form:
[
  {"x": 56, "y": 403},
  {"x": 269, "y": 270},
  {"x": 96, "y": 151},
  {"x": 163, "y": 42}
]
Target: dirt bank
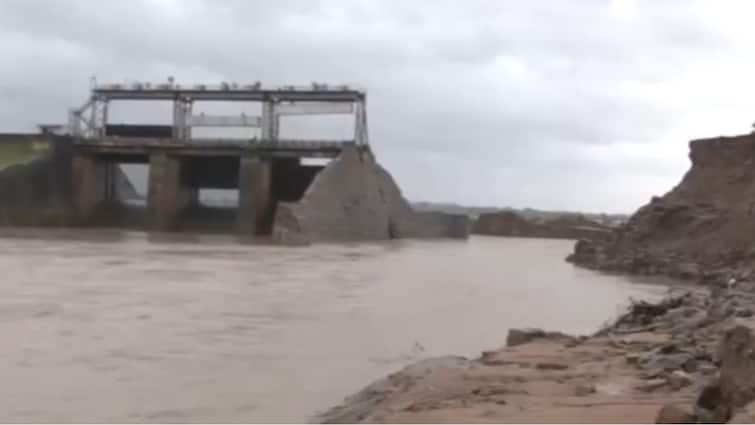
[{"x": 703, "y": 229}]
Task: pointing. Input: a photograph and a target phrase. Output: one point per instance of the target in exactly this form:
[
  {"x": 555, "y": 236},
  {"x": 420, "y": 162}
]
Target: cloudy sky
[{"x": 582, "y": 105}]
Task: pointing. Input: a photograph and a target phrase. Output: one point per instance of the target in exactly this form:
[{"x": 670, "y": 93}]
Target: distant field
[
  {"x": 16, "y": 153},
  {"x": 527, "y": 213}
]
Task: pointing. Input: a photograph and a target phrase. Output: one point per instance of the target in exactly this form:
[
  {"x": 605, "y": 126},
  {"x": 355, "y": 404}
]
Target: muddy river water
[{"x": 120, "y": 326}]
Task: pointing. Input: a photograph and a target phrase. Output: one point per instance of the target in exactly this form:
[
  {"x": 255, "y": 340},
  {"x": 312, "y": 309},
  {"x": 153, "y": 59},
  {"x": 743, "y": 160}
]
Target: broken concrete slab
[{"x": 354, "y": 198}]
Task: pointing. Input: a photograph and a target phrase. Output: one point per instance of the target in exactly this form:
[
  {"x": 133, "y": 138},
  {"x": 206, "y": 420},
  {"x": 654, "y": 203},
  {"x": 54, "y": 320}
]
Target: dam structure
[
  {"x": 264, "y": 170},
  {"x": 280, "y": 193}
]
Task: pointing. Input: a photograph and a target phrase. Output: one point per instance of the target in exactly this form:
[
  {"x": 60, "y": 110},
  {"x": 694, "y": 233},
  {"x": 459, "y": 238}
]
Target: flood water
[{"x": 114, "y": 327}]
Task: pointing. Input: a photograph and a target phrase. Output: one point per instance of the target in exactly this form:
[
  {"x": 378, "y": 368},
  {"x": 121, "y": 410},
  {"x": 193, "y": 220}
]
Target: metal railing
[{"x": 90, "y": 120}]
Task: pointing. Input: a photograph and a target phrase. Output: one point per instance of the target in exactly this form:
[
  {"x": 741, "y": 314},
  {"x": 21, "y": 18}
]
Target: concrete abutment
[
  {"x": 168, "y": 194},
  {"x": 256, "y": 204},
  {"x": 89, "y": 177}
]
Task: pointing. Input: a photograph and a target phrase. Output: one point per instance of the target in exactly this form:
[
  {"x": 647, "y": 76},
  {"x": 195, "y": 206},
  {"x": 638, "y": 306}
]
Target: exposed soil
[{"x": 703, "y": 229}]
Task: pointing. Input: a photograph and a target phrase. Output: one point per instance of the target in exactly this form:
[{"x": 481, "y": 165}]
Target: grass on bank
[{"x": 19, "y": 153}]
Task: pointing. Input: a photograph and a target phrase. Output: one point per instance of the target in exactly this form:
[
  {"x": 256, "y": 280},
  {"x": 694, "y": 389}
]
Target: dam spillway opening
[
  {"x": 218, "y": 193},
  {"x": 119, "y": 202}
]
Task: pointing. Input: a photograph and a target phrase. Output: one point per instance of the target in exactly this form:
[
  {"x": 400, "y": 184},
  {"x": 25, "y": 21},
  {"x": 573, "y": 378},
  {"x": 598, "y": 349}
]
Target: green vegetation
[
  {"x": 12, "y": 153},
  {"x": 530, "y": 214}
]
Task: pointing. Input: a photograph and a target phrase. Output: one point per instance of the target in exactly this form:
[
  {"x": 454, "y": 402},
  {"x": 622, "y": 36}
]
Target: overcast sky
[{"x": 581, "y": 105}]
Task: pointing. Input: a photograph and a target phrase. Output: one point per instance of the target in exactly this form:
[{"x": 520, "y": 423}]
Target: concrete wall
[
  {"x": 168, "y": 195},
  {"x": 353, "y": 199},
  {"x": 89, "y": 178},
  {"x": 37, "y": 188},
  {"x": 255, "y": 213}
]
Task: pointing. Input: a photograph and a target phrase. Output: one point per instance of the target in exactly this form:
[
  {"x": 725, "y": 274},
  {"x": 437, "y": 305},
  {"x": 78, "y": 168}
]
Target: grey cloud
[{"x": 487, "y": 88}]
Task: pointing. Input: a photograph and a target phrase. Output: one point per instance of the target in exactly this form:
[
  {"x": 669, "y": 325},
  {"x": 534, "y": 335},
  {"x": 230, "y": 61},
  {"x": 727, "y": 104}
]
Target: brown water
[{"x": 125, "y": 327}]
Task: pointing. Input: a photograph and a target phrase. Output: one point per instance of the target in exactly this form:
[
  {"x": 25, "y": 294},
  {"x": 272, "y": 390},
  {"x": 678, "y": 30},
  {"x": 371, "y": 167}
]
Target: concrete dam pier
[
  {"x": 280, "y": 194},
  {"x": 263, "y": 175}
]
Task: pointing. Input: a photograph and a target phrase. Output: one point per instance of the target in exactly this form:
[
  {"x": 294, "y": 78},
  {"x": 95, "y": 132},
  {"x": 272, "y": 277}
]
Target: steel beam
[
  {"x": 231, "y": 95},
  {"x": 224, "y": 121},
  {"x": 269, "y": 122},
  {"x": 181, "y": 113},
  {"x": 360, "y": 124},
  {"x": 314, "y": 108}
]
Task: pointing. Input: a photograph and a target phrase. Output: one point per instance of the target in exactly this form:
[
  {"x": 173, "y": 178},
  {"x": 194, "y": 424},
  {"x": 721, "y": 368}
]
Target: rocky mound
[
  {"x": 509, "y": 223},
  {"x": 703, "y": 228}
]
